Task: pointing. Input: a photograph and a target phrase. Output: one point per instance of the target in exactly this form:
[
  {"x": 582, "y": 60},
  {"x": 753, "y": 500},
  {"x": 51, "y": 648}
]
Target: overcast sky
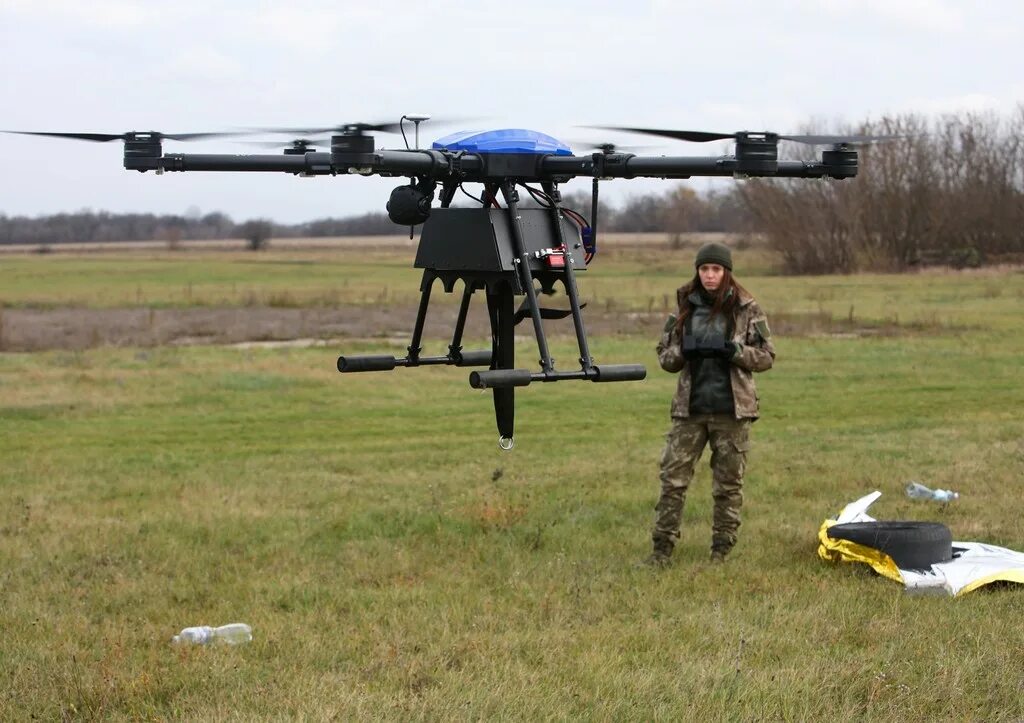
[{"x": 119, "y": 65}]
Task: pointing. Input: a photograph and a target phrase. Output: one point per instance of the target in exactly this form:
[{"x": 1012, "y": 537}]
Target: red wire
[
  {"x": 576, "y": 216},
  {"x": 488, "y": 194}
]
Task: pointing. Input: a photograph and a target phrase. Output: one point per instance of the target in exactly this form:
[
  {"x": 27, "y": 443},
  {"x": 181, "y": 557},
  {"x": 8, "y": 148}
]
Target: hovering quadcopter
[{"x": 503, "y": 251}]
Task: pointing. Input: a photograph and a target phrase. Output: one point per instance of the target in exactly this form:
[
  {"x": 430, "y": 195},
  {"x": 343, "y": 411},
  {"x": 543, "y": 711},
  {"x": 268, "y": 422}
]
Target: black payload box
[{"x": 478, "y": 242}]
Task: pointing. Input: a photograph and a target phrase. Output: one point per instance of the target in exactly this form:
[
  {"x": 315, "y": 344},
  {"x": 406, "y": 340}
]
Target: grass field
[
  {"x": 361, "y": 270},
  {"x": 633, "y": 273},
  {"x": 394, "y": 563}
]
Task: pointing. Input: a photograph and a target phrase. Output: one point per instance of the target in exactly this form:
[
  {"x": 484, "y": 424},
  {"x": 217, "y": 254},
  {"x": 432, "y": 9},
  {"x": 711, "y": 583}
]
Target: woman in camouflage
[{"x": 719, "y": 337}]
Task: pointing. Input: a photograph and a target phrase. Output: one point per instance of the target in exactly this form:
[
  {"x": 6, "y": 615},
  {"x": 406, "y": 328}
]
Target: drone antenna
[{"x": 416, "y": 118}]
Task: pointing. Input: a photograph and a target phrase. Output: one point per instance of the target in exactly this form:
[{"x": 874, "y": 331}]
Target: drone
[{"x": 504, "y": 251}]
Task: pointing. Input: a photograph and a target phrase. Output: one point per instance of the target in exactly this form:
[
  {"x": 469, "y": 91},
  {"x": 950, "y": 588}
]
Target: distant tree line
[
  {"x": 948, "y": 191},
  {"x": 677, "y": 210},
  {"x": 101, "y": 226},
  {"x": 680, "y": 209}
]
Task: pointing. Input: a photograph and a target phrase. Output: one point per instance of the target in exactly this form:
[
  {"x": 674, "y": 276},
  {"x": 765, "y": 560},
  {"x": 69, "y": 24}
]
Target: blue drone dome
[{"x": 505, "y": 140}]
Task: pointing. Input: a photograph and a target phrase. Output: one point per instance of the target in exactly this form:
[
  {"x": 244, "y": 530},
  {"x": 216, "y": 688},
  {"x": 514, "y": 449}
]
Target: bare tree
[
  {"x": 949, "y": 191},
  {"x": 257, "y": 233}
]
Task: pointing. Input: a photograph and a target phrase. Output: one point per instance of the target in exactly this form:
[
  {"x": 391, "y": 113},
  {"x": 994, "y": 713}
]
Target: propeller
[
  {"x": 361, "y": 128},
  {"x": 706, "y": 136},
  {"x": 825, "y": 140},
  {"x": 130, "y": 135},
  {"x": 695, "y": 136},
  {"x": 296, "y": 143},
  {"x": 608, "y": 147},
  {"x": 343, "y": 129}
]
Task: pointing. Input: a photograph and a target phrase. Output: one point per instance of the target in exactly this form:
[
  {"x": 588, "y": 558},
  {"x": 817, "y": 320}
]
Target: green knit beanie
[{"x": 714, "y": 253}]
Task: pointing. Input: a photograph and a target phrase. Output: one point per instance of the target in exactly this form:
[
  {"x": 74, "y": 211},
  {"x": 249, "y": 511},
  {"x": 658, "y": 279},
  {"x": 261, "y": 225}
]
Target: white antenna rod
[{"x": 417, "y": 118}]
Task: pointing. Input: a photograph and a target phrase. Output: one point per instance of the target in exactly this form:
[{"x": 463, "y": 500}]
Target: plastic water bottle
[
  {"x": 917, "y": 491},
  {"x": 232, "y": 634}
]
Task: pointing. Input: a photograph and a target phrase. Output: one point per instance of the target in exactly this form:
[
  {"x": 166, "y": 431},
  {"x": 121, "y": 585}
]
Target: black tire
[{"x": 911, "y": 545}]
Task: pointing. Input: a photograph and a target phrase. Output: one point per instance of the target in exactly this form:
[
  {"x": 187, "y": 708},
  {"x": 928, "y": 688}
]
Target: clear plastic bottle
[
  {"x": 944, "y": 495},
  {"x": 232, "y": 634},
  {"x": 917, "y": 491}
]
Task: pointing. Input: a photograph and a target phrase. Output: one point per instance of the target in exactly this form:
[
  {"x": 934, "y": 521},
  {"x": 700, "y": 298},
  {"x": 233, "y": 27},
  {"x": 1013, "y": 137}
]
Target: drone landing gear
[
  {"x": 456, "y": 356},
  {"x": 504, "y": 251},
  {"x": 502, "y": 378}
]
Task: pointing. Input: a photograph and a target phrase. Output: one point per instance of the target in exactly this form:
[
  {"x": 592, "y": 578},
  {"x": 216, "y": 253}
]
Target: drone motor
[
  {"x": 757, "y": 154},
  {"x": 841, "y": 161}
]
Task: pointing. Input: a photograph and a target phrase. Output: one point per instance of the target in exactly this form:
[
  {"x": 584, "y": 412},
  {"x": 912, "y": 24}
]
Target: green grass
[
  {"x": 621, "y": 280},
  {"x": 356, "y": 523},
  {"x": 186, "y": 279}
]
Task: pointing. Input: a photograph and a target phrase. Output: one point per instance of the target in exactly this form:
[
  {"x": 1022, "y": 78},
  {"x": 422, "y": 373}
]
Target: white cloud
[
  {"x": 1004, "y": 102},
  {"x": 201, "y": 63},
  {"x": 930, "y": 15},
  {"x": 729, "y": 65},
  {"x": 96, "y": 14},
  {"x": 298, "y": 28}
]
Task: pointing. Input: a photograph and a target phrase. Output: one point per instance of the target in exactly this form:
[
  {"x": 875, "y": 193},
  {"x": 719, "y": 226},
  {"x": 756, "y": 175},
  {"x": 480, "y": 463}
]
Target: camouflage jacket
[{"x": 756, "y": 353}]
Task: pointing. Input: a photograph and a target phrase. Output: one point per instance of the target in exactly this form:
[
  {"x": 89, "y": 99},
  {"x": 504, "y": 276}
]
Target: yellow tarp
[{"x": 834, "y": 550}]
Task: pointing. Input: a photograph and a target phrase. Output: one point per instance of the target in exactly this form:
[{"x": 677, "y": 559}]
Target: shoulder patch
[{"x": 762, "y": 328}]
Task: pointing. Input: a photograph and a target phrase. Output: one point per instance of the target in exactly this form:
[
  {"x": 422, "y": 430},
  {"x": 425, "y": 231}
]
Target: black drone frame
[
  {"x": 503, "y": 251},
  {"x": 756, "y": 155}
]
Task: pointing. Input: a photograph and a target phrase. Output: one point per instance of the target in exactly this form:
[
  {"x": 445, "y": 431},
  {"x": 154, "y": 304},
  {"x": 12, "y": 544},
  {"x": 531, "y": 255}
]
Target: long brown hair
[{"x": 722, "y": 302}]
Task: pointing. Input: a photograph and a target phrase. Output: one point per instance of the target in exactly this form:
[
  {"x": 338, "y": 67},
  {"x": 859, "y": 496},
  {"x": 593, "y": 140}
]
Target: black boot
[{"x": 661, "y": 556}]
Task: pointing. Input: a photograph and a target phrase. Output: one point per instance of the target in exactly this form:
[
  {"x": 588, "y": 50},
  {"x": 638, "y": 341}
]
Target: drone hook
[{"x": 506, "y": 443}]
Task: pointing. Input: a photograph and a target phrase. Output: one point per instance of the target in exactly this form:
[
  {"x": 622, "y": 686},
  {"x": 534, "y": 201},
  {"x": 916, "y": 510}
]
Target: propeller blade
[
  {"x": 294, "y": 143},
  {"x": 106, "y": 137},
  {"x": 822, "y": 140},
  {"x": 443, "y": 120},
  {"x": 693, "y": 136},
  {"x": 705, "y": 136},
  {"x": 357, "y": 128},
  {"x": 346, "y": 128},
  {"x": 608, "y": 147},
  {"x": 199, "y": 136},
  {"x": 97, "y": 137}
]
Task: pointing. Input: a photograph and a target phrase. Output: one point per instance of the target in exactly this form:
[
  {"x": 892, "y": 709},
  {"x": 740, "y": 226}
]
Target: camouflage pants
[{"x": 729, "y": 439}]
